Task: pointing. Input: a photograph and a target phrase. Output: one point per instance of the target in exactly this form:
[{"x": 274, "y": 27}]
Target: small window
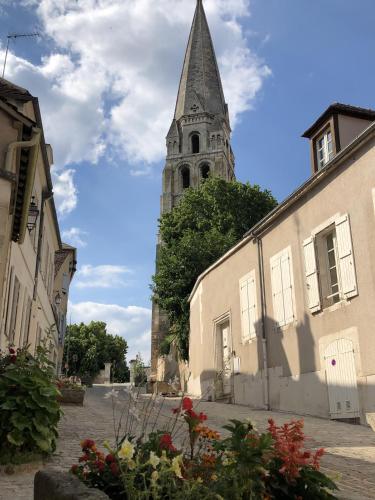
[
  {"x": 328, "y": 267},
  {"x": 195, "y": 143},
  {"x": 324, "y": 149},
  {"x": 185, "y": 174},
  {"x": 205, "y": 171}
]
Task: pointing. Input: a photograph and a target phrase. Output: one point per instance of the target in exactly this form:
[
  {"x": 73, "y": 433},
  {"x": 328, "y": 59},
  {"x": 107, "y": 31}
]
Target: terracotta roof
[{"x": 340, "y": 109}]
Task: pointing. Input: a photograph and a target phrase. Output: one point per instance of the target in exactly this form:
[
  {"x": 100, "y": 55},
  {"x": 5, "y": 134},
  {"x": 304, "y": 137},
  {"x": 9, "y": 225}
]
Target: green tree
[
  {"x": 207, "y": 222},
  {"x": 88, "y": 347}
]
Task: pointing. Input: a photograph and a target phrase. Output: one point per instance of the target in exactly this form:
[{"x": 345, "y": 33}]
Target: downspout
[
  {"x": 21, "y": 144},
  {"x": 264, "y": 316}
]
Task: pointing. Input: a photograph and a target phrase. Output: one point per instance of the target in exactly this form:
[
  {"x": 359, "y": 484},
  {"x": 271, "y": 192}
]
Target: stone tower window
[
  {"x": 195, "y": 143},
  {"x": 205, "y": 171},
  {"x": 185, "y": 174}
]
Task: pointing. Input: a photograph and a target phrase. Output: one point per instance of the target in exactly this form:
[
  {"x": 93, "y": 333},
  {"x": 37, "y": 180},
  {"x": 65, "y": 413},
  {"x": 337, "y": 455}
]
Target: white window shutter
[
  {"x": 286, "y": 276},
  {"x": 345, "y": 253},
  {"x": 251, "y": 291},
  {"x": 277, "y": 291},
  {"x": 65, "y": 283},
  {"x": 244, "y": 309},
  {"x": 311, "y": 272}
]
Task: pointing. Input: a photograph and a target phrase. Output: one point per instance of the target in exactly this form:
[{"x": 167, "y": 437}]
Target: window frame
[
  {"x": 327, "y": 152},
  {"x": 281, "y": 257},
  {"x": 251, "y": 327}
]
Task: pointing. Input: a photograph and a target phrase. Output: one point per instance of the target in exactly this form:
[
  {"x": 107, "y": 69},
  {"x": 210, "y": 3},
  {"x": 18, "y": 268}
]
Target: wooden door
[{"x": 341, "y": 379}]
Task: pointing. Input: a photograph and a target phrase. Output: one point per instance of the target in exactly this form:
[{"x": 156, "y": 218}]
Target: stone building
[
  {"x": 35, "y": 266},
  {"x": 198, "y": 143},
  {"x": 285, "y": 319}
]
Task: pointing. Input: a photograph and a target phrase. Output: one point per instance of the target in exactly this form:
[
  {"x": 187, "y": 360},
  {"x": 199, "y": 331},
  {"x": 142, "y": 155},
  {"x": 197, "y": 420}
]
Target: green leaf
[
  {"x": 21, "y": 422},
  {"x": 15, "y": 437},
  {"x": 9, "y": 405}
]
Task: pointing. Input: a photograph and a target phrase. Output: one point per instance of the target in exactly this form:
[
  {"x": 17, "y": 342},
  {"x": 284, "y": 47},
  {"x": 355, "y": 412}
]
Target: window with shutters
[
  {"x": 329, "y": 265},
  {"x": 282, "y": 287},
  {"x": 324, "y": 148},
  {"x": 248, "y": 304}
]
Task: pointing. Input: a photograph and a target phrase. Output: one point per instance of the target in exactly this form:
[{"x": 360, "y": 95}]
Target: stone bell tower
[{"x": 198, "y": 141}]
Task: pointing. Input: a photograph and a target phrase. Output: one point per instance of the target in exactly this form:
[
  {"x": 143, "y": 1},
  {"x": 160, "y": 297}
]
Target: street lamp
[{"x": 32, "y": 215}]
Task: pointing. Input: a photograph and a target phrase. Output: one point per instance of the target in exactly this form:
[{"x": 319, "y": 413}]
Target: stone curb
[{"x": 52, "y": 484}]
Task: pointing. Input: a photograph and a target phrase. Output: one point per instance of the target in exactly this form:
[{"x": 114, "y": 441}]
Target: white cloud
[
  {"x": 65, "y": 192},
  {"x": 111, "y": 81},
  {"x": 104, "y": 276},
  {"x": 131, "y": 322},
  {"x": 75, "y": 236}
]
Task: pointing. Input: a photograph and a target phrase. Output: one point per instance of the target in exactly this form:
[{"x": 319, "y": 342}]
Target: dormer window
[
  {"x": 324, "y": 149},
  {"x": 195, "y": 143}
]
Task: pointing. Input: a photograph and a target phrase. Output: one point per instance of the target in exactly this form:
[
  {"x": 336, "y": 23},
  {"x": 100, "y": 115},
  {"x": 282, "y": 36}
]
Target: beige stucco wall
[
  {"x": 350, "y": 128},
  {"x": 295, "y": 352}
]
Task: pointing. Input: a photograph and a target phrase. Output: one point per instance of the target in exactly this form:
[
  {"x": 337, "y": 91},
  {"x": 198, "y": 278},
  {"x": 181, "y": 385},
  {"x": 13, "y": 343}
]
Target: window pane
[
  {"x": 330, "y": 241},
  {"x": 331, "y": 259},
  {"x": 333, "y": 274}
]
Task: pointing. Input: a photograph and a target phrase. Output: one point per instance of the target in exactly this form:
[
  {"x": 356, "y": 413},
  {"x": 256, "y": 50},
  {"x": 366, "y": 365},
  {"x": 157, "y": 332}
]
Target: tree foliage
[
  {"x": 206, "y": 223},
  {"x": 88, "y": 347}
]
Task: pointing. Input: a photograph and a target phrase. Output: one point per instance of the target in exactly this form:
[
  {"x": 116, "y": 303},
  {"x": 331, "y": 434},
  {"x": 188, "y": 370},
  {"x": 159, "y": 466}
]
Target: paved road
[{"x": 350, "y": 450}]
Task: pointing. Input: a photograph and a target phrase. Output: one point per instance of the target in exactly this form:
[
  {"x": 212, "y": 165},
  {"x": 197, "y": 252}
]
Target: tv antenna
[{"x": 14, "y": 36}]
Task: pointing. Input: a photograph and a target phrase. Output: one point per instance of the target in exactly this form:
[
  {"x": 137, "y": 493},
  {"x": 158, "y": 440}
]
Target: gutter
[
  {"x": 21, "y": 144},
  {"x": 46, "y": 195}
]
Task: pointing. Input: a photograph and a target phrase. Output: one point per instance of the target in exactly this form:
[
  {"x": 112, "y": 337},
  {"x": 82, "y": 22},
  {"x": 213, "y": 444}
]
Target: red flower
[
  {"x": 11, "y": 350},
  {"x": 74, "y": 469},
  {"x": 110, "y": 459},
  {"x": 187, "y": 404},
  {"x": 88, "y": 444},
  {"x": 202, "y": 417},
  {"x": 166, "y": 442},
  {"x": 84, "y": 458},
  {"x": 99, "y": 465},
  {"x": 114, "y": 469},
  {"x": 13, "y": 358}
]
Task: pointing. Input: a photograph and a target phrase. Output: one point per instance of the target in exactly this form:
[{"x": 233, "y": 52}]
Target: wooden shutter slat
[
  {"x": 311, "y": 273},
  {"x": 346, "y": 261}
]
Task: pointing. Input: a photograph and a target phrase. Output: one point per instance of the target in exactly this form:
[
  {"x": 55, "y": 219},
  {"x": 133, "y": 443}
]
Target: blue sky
[{"x": 106, "y": 73}]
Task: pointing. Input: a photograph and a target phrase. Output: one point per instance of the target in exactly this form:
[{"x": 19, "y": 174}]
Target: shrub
[
  {"x": 29, "y": 411},
  {"x": 245, "y": 465}
]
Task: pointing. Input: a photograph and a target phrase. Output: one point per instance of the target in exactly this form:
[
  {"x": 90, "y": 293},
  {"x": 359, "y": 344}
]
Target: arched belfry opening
[
  {"x": 205, "y": 171},
  {"x": 195, "y": 143},
  {"x": 185, "y": 175}
]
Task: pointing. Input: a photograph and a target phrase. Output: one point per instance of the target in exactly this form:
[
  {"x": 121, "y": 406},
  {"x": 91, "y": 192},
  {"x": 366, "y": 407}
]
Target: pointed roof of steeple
[{"x": 200, "y": 85}]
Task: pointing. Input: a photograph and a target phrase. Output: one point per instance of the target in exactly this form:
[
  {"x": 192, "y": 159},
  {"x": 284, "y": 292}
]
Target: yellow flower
[
  {"x": 199, "y": 480},
  {"x": 164, "y": 457},
  {"x": 154, "y": 459},
  {"x": 176, "y": 466},
  {"x": 132, "y": 465},
  {"x": 127, "y": 450},
  {"x": 214, "y": 477},
  {"x": 154, "y": 476}
]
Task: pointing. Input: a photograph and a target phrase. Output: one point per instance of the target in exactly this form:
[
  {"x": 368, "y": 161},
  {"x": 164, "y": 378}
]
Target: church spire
[{"x": 200, "y": 87}]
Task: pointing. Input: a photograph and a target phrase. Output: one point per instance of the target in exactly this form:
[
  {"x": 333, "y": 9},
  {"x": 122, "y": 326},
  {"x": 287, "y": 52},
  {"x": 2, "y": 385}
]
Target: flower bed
[
  {"x": 70, "y": 392},
  {"x": 246, "y": 464}
]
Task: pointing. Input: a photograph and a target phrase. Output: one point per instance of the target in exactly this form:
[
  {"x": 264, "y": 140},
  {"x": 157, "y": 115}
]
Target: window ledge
[
  {"x": 339, "y": 305},
  {"x": 248, "y": 340}
]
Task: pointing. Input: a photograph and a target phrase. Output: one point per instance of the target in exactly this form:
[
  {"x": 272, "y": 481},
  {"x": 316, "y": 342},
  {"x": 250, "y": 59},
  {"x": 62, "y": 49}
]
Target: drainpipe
[
  {"x": 264, "y": 315},
  {"x": 21, "y": 144}
]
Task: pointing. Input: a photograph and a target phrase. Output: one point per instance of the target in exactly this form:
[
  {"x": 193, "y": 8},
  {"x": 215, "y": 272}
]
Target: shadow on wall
[{"x": 303, "y": 377}]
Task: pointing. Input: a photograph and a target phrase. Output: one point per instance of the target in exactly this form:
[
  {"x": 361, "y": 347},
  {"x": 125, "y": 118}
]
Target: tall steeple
[
  {"x": 200, "y": 83},
  {"x": 198, "y": 146}
]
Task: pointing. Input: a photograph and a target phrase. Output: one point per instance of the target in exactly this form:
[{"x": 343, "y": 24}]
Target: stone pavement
[{"x": 350, "y": 450}]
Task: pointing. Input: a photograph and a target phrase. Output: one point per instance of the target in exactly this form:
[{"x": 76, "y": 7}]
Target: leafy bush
[
  {"x": 245, "y": 465},
  {"x": 29, "y": 411}
]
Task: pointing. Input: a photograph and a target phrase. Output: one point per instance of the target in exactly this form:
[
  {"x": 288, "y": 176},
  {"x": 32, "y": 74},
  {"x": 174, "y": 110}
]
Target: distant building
[
  {"x": 198, "y": 145},
  {"x": 35, "y": 266},
  {"x": 285, "y": 319}
]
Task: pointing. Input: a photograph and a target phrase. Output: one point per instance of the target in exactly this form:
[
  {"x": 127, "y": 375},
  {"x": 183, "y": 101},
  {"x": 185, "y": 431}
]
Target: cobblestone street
[{"x": 350, "y": 450}]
